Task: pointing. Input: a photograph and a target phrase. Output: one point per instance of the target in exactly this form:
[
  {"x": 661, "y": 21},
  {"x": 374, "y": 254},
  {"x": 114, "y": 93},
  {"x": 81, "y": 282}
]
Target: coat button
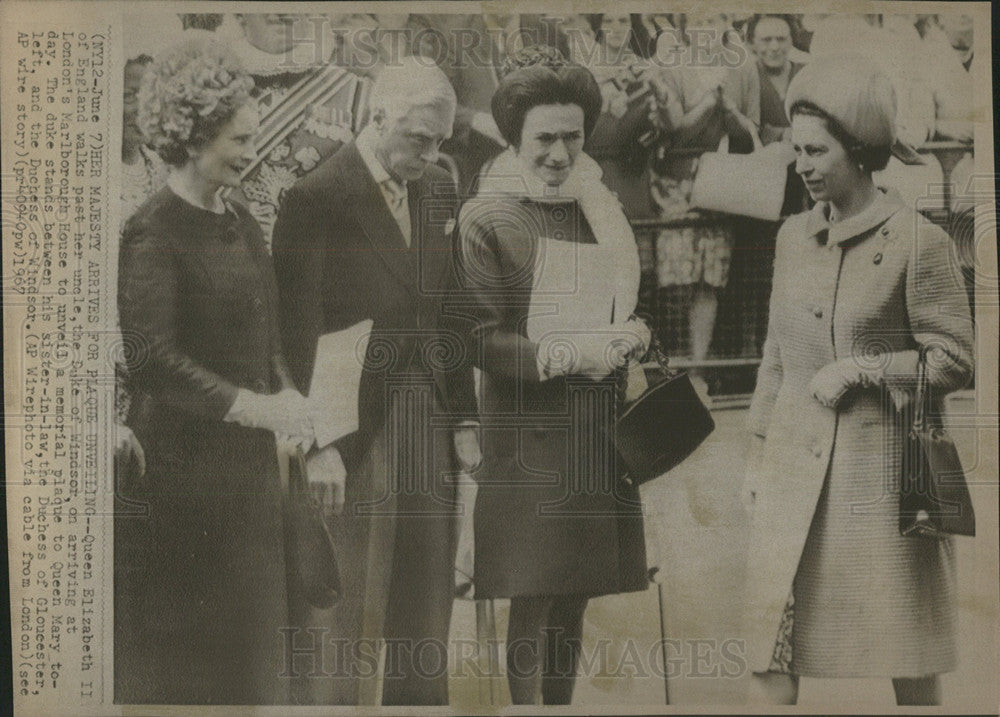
[
  {"x": 260, "y": 386},
  {"x": 258, "y": 302},
  {"x": 817, "y": 452},
  {"x": 877, "y": 258},
  {"x": 818, "y": 312},
  {"x": 885, "y": 231}
]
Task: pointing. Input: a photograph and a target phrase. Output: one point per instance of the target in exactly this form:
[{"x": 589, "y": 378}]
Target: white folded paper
[
  {"x": 574, "y": 300},
  {"x": 336, "y": 380},
  {"x": 574, "y": 289}
]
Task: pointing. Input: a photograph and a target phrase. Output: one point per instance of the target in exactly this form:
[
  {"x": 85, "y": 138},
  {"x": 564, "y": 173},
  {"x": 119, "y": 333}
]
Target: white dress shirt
[{"x": 393, "y": 190}]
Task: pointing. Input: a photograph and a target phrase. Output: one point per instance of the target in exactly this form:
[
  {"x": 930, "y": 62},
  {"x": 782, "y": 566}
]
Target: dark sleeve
[
  {"x": 297, "y": 249},
  {"x": 632, "y": 126},
  {"x": 494, "y": 343},
  {"x": 148, "y": 279},
  {"x": 282, "y": 377},
  {"x": 458, "y": 380}
]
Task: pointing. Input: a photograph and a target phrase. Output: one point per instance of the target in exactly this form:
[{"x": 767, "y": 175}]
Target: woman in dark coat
[
  {"x": 861, "y": 284},
  {"x": 550, "y": 272},
  {"x": 200, "y": 591}
]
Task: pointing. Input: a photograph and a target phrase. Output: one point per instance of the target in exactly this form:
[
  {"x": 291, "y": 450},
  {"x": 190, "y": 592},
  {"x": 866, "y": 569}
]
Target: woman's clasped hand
[
  {"x": 835, "y": 380},
  {"x": 596, "y": 353},
  {"x": 285, "y": 413}
]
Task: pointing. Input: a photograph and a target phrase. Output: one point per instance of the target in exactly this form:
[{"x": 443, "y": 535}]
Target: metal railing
[{"x": 730, "y": 362}]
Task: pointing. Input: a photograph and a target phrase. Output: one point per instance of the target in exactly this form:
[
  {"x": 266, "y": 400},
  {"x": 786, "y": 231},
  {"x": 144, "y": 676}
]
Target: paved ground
[{"x": 696, "y": 533}]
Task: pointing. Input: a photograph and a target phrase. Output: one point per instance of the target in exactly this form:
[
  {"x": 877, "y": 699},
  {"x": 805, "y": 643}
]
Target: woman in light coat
[{"x": 861, "y": 283}]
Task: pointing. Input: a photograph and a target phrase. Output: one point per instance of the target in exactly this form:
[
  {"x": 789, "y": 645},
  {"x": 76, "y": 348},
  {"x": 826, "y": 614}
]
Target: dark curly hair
[
  {"x": 543, "y": 77},
  {"x": 187, "y": 96},
  {"x": 871, "y": 159}
]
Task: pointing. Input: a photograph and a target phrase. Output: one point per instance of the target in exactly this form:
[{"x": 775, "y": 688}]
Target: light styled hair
[
  {"x": 412, "y": 81},
  {"x": 188, "y": 95}
]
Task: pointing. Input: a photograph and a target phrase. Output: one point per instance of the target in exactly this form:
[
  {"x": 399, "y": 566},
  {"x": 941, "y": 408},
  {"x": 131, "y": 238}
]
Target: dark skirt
[
  {"x": 200, "y": 592},
  {"x": 552, "y": 516}
]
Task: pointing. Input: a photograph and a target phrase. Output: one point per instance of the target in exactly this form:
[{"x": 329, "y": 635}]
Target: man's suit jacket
[{"x": 340, "y": 258}]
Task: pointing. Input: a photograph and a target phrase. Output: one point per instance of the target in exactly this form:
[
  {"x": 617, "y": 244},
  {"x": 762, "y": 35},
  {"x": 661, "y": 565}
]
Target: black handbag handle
[
  {"x": 655, "y": 349},
  {"x": 661, "y": 358},
  {"x": 922, "y": 399}
]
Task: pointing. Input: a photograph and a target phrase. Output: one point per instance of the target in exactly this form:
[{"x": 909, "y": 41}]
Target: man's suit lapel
[{"x": 372, "y": 215}]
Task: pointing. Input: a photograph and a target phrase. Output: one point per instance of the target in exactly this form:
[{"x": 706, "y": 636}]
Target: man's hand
[
  {"x": 467, "y": 448},
  {"x": 327, "y": 478},
  {"x": 711, "y": 98}
]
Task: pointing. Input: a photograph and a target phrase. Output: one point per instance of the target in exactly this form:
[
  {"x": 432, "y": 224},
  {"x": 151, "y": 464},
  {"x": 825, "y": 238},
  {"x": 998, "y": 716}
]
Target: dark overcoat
[
  {"x": 552, "y": 516},
  {"x": 199, "y": 563}
]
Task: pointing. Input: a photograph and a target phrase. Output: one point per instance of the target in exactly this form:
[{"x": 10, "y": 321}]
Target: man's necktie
[{"x": 395, "y": 194}]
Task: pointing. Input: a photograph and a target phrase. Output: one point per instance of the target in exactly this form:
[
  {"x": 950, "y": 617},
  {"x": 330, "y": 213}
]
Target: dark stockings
[{"x": 543, "y": 648}]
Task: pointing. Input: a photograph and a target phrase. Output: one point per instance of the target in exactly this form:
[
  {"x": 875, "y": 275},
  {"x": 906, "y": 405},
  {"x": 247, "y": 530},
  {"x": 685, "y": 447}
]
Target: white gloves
[
  {"x": 594, "y": 354},
  {"x": 285, "y": 414},
  {"x": 832, "y": 382}
]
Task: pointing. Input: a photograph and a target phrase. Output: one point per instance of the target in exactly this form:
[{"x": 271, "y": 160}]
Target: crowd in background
[{"x": 674, "y": 85}]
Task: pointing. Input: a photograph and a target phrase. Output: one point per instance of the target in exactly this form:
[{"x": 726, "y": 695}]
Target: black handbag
[
  {"x": 310, "y": 555},
  {"x": 934, "y": 500},
  {"x": 662, "y": 427}
]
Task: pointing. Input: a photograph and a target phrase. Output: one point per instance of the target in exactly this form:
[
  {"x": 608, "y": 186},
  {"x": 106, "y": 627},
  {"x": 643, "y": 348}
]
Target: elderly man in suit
[
  {"x": 470, "y": 49},
  {"x": 367, "y": 236}
]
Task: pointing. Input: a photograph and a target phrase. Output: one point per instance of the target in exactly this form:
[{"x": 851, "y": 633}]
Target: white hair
[{"x": 411, "y": 81}]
